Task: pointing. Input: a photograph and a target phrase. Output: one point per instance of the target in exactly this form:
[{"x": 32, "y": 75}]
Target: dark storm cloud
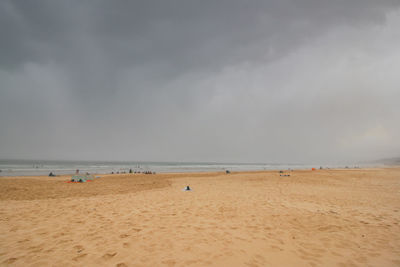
[
  {"x": 178, "y": 33},
  {"x": 196, "y": 80}
]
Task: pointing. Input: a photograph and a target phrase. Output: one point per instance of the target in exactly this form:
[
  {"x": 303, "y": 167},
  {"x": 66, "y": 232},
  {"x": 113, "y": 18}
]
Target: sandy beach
[{"x": 344, "y": 217}]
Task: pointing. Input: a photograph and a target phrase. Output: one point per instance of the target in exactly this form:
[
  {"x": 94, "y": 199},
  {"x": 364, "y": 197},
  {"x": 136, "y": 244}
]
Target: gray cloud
[{"x": 271, "y": 81}]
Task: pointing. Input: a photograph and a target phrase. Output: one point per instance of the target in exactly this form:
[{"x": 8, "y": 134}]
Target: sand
[{"x": 312, "y": 218}]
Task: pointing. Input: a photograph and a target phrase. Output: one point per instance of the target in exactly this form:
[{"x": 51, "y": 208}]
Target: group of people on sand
[
  {"x": 282, "y": 173},
  {"x": 144, "y": 172},
  {"x": 131, "y": 171},
  {"x": 51, "y": 174}
]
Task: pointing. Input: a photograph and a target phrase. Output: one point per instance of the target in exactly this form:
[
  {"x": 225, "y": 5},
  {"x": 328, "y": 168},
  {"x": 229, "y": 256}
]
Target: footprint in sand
[
  {"x": 10, "y": 260},
  {"x": 276, "y": 248},
  {"x": 121, "y": 264},
  {"x": 80, "y": 257},
  {"x": 108, "y": 256},
  {"x": 79, "y": 248}
]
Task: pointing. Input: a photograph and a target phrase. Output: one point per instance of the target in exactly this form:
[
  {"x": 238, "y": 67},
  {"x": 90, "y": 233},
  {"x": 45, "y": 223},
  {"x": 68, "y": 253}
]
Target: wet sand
[{"x": 311, "y": 218}]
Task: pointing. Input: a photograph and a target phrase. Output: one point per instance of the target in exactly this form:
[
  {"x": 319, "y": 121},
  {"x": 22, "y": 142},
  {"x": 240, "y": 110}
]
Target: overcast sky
[{"x": 302, "y": 81}]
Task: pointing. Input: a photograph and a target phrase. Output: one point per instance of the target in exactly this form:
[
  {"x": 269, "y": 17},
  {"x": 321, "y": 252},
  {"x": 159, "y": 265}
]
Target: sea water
[{"x": 44, "y": 167}]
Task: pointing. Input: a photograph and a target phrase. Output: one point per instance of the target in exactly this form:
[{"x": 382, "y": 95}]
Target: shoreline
[{"x": 72, "y": 172}]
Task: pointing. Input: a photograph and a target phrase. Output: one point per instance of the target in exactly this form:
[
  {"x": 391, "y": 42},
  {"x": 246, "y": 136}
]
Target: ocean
[{"x": 44, "y": 167}]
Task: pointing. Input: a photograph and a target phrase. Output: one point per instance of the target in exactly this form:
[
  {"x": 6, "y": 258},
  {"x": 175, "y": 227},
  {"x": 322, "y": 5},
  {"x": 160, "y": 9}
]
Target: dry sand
[{"x": 312, "y": 218}]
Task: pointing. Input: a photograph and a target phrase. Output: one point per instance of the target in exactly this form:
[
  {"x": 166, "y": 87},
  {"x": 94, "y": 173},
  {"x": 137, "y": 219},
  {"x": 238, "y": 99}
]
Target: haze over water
[{"x": 32, "y": 167}]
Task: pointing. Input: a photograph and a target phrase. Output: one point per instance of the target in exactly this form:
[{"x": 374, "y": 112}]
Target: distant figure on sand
[
  {"x": 187, "y": 188},
  {"x": 77, "y": 171},
  {"x": 51, "y": 174},
  {"x": 228, "y": 171}
]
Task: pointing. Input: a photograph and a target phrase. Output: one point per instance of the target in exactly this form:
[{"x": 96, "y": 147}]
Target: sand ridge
[{"x": 312, "y": 218}]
